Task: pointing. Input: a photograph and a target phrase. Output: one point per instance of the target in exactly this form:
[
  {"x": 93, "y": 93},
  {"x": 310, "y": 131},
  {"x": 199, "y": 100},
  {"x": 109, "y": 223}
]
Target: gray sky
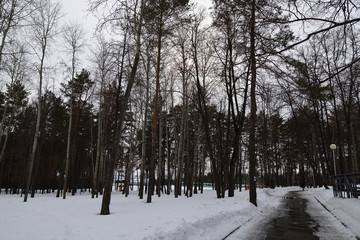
[{"x": 75, "y": 10}]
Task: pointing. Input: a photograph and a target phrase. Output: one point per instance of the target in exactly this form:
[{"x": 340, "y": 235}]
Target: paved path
[{"x": 293, "y": 222}]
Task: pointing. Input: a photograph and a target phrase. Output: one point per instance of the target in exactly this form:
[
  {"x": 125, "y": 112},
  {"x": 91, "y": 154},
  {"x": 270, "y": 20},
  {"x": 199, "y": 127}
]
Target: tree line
[{"x": 254, "y": 92}]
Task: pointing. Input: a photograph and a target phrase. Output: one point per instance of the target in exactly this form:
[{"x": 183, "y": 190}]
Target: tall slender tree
[
  {"x": 12, "y": 13},
  {"x": 162, "y": 12},
  {"x": 16, "y": 67},
  {"x": 103, "y": 60},
  {"x": 44, "y": 21},
  {"x": 73, "y": 34},
  {"x": 121, "y": 109},
  {"x": 232, "y": 52},
  {"x": 78, "y": 92}
]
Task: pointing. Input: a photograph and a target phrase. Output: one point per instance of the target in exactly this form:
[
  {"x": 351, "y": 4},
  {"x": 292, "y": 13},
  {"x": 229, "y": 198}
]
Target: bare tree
[
  {"x": 44, "y": 22},
  {"x": 121, "y": 109},
  {"x": 12, "y": 12},
  {"x": 231, "y": 51},
  {"x": 147, "y": 60},
  {"x": 201, "y": 65},
  {"x": 181, "y": 43},
  {"x": 74, "y": 36},
  {"x": 161, "y": 13},
  {"x": 103, "y": 60},
  {"x": 16, "y": 68}
]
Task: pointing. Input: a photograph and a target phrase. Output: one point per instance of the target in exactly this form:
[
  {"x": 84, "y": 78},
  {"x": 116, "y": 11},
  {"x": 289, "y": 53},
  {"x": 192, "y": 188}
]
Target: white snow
[
  {"x": 202, "y": 216},
  {"x": 343, "y": 210}
]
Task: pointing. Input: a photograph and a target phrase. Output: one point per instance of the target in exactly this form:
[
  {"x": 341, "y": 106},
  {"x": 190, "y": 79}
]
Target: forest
[{"x": 246, "y": 93}]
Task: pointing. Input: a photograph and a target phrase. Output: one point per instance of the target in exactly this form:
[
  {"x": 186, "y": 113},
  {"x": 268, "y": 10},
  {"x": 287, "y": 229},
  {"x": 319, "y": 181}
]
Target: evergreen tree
[{"x": 78, "y": 92}]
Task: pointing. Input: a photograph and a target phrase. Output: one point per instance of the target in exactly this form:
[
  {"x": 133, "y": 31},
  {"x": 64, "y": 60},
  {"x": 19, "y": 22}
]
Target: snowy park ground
[{"x": 201, "y": 217}]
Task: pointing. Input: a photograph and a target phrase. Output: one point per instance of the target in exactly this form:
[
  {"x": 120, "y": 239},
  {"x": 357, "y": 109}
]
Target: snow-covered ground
[{"x": 201, "y": 217}]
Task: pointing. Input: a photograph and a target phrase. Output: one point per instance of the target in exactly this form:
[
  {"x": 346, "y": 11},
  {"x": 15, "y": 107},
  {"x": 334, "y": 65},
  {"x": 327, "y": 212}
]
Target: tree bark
[
  {"x": 38, "y": 119},
  {"x": 252, "y": 144},
  {"x": 155, "y": 117},
  {"x": 160, "y": 160}
]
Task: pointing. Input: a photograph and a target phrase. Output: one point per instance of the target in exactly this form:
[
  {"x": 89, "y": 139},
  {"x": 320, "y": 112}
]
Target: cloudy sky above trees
[{"x": 77, "y": 11}]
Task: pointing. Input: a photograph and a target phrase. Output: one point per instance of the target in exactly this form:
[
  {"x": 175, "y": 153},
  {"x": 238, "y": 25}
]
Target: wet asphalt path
[{"x": 292, "y": 222}]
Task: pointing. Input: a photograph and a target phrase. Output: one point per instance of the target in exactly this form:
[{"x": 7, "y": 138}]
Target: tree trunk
[
  {"x": 143, "y": 151},
  {"x": 99, "y": 146},
  {"x": 129, "y": 165},
  {"x": 37, "y": 127},
  {"x": 168, "y": 149},
  {"x": 160, "y": 161},
  {"x": 196, "y": 159},
  {"x": 105, "y": 207},
  {"x": 155, "y": 117},
  {"x": 67, "y": 160},
  {"x": 145, "y": 119},
  {"x": 252, "y": 144}
]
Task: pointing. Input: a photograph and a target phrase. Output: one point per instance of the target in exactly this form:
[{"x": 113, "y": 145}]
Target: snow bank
[
  {"x": 345, "y": 210},
  {"x": 201, "y": 217}
]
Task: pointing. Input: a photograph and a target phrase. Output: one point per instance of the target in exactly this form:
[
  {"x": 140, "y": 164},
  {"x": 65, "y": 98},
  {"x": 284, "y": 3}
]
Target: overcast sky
[{"x": 75, "y": 10}]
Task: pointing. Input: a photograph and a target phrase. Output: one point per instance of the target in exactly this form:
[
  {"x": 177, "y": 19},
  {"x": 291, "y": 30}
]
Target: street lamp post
[{"x": 333, "y": 147}]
